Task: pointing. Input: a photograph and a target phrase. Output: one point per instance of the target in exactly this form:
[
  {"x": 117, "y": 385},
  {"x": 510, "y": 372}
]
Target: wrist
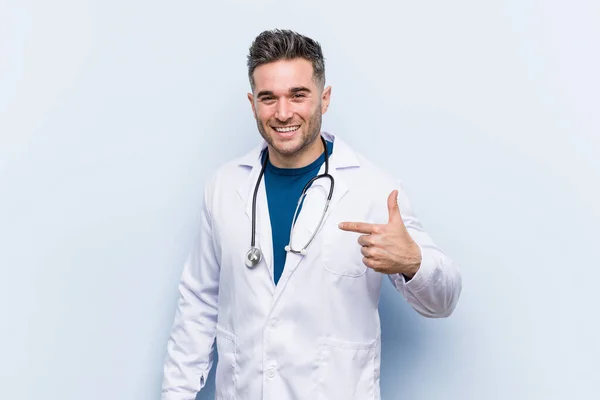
[{"x": 413, "y": 267}]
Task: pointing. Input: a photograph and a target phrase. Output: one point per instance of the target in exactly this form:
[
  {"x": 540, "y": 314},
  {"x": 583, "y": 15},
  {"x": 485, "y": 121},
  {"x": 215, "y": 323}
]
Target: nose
[{"x": 284, "y": 111}]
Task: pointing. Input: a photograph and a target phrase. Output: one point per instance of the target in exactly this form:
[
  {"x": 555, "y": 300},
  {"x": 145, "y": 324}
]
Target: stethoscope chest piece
[{"x": 253, "y": 257}]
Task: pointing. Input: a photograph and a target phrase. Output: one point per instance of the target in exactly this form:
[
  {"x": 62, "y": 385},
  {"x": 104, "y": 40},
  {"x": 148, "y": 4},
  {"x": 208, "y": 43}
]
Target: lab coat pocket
[
  {"x": 346, "y": 370},
  {"x": 226, "y": 373},
  {"x": 341, "y": 252}
]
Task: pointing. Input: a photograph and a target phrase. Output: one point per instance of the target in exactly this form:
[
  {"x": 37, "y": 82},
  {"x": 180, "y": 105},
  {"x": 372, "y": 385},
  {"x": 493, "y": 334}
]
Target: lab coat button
[
  {"x": 271, "y": 372},
  {"x": 273, "y": 323}
]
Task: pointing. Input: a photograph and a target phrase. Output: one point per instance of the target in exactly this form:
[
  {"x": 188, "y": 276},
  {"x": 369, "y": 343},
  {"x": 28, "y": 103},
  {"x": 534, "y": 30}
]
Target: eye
[
  {"x": 298, "y": 96},
  {"x": 267, "y": 99}
]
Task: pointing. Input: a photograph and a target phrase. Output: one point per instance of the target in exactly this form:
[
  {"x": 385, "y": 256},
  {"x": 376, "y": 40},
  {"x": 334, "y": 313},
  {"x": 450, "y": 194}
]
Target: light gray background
[{"x": 113, "y": 113}]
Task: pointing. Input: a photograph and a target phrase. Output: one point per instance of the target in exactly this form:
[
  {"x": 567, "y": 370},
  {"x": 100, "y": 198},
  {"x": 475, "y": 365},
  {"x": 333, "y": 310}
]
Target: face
[{"x": 288, "y": 106}]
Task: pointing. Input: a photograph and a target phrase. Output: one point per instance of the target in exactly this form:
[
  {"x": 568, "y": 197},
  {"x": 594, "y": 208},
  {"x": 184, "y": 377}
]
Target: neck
[{"x": 301, "y": 159}]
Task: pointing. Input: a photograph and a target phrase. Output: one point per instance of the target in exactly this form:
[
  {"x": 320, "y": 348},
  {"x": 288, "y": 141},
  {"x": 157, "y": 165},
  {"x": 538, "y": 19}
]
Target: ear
[
  {"x": 251, "y": 100},
  {"x": 325, "y": 97}
]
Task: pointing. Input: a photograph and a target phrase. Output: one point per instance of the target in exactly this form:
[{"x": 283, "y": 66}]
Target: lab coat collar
[{"x": 343, "y": 156}]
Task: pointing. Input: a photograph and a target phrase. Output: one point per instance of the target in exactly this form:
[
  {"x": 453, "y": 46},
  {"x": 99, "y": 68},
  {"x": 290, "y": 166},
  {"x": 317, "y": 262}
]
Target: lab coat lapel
[
  {"x": 264, "y": 240},
  {"x": 308, "y": 220}
]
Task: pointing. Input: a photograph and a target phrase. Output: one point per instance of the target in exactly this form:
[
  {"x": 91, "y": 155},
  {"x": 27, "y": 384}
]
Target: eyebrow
[
  {"x": 299, "y": 89},
  {"x": 292, "y": 90}
]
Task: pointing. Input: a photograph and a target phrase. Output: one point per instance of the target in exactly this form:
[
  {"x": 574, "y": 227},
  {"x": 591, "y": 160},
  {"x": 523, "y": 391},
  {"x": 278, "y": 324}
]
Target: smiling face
[{"x": 288, "y": 105}]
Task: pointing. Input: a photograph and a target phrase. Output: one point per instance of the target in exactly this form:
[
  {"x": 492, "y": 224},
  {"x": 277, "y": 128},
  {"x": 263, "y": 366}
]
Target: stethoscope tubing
[{"x": 254, "y": 255}]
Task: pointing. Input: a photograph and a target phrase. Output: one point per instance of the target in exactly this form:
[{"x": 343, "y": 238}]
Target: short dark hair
[{"x": 274, "y": 45}]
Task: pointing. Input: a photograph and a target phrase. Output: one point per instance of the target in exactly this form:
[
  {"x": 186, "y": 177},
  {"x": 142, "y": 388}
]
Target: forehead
[{"x": 282, "y": 75}]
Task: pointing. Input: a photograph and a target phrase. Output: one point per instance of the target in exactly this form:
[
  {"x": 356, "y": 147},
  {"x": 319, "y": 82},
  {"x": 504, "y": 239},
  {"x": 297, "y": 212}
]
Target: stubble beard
[{"x": 313, "y": 132}]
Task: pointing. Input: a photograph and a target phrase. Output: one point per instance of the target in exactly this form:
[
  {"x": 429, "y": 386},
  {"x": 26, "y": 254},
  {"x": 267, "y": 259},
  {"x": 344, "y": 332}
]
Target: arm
[
  {"x": 424, "y": 275},
  {"x": 190, "y": 346},
  {"x": 434, "y": 289}
]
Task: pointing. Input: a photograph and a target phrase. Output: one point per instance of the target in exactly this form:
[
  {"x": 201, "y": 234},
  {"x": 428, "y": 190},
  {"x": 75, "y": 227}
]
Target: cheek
[
  {"x": 263, "y": 114},
  {"x": 308, "y": 112}
]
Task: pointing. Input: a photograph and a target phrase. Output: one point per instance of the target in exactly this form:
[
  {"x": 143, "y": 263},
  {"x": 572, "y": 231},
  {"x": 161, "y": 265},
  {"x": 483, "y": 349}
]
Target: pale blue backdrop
[{"x": 113, "y": 113}]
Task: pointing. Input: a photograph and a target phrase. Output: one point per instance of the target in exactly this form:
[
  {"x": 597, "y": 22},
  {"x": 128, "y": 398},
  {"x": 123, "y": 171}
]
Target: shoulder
[
  {"x": 230, "y": 174},
  {"x": 369, "y": 175},
  {"x": 372, "y": 184}
]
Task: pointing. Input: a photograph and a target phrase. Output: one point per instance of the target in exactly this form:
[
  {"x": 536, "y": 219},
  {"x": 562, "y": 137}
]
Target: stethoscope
[{"x": 254, "y": 255}]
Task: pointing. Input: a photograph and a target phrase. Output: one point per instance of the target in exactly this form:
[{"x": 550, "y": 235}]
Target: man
[{"x": 295, "y": 311}]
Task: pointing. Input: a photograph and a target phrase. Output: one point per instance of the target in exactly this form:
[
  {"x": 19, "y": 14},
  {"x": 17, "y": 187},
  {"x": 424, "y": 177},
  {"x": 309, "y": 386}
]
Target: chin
[
  {"x": 292, "y": 142},
  {"x": 288, "y": 147}
]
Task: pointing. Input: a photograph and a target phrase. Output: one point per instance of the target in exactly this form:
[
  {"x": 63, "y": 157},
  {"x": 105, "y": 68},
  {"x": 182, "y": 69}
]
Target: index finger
[{"x": 358, "y": 227}]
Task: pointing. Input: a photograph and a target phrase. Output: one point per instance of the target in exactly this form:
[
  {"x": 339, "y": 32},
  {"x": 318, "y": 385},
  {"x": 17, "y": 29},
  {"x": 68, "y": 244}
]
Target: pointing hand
[{"x": 387, "y": 248}]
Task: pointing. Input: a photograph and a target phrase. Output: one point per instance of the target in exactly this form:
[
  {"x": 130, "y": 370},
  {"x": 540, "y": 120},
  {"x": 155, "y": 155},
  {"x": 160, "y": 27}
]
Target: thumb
[{"x": 394, "y": 210}]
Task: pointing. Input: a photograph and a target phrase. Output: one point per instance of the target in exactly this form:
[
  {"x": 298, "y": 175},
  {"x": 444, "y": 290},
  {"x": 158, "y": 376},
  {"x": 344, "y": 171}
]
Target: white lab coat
[{"x": 316, "y": 335}]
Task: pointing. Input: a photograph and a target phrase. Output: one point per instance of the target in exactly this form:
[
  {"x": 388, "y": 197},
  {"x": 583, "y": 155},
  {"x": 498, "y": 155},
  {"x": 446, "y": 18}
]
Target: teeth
[{"x": 287, "y": 129}]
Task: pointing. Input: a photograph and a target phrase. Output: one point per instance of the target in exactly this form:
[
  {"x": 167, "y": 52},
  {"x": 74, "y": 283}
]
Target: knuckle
[{"x": 374, "y": 240}]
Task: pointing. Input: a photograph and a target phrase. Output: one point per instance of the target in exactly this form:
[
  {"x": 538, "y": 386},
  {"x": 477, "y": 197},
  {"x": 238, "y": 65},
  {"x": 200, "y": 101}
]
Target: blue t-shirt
[{"x": 284, "y": 187}]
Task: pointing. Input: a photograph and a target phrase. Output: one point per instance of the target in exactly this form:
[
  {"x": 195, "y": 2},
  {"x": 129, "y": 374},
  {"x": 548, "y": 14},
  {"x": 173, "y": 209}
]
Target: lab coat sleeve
[
  {"x": 434, "y": 290},
  {"x": 190, "y": 346}
]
